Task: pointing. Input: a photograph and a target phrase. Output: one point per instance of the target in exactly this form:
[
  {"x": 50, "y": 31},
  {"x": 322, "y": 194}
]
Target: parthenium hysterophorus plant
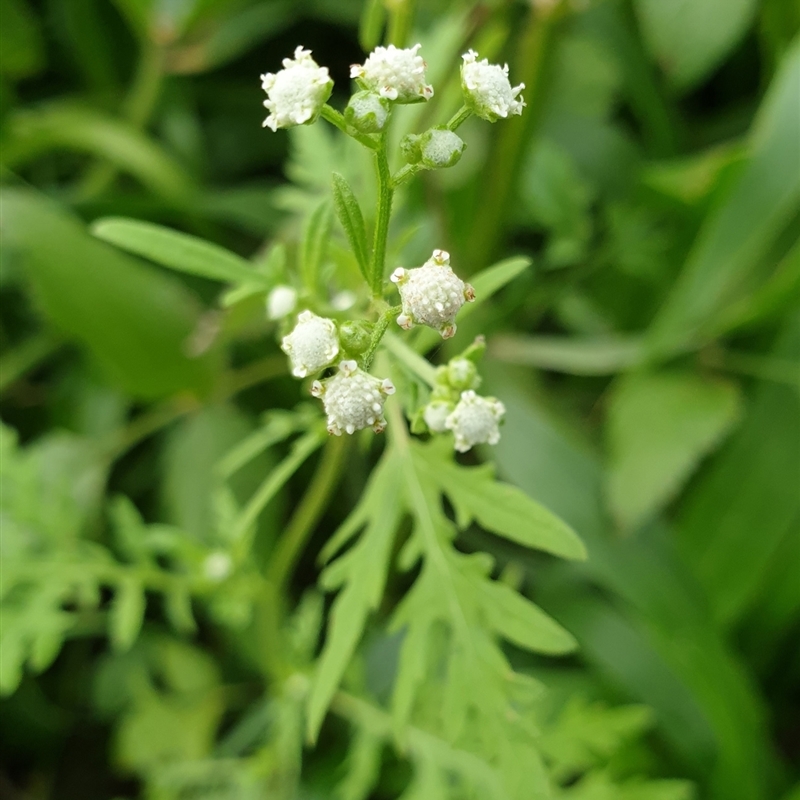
[{"x": 456, "y": 708}]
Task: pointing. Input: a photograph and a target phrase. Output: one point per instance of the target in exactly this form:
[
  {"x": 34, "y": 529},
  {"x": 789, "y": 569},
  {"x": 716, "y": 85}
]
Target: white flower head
[
  {"x": 281, "y": 301},
  {"x": 487, "y": 90},
  {"x": 353, "y": 399},
  {"x": 435, "y": 415},
  {"x": 395, "y": 74},
  {"x": 431, "y": 294},
  {"x": 475, "y": 420},
  {"x": 312, "y": 345},
  {"x": 217, "y": 566},
  {"x": 296, "y": 94}
]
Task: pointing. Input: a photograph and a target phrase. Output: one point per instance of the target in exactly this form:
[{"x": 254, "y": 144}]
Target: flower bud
[
  {"x": 462, "y": 374},
  {"x": 436, "y": 413},
  {"x": 475, "y": 420},
  {"x": 394, "y": 73},
  {"x": 296, "y": 94},
  {"x": 487, "y": 90},
  {"x": 281, "y": 301},
  {"x": 367, "y": 112},
  {"x": 431, "y": 294},
  {"x": 355, "y": 336},
  {"x": 312, "y": 345},
  {"x": 353, "y": 399}
]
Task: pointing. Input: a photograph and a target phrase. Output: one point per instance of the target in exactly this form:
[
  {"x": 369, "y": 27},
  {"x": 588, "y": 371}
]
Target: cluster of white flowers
[
  {"x": 487, "y": 90},
  {"x": 353, "y": 399},
  {"x": 296, "y": 94},
  {"x": 394, "y": 73},
  {"x": 431, "y": 294}
]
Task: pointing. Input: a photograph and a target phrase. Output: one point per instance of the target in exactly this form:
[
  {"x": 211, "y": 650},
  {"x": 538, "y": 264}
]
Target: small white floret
[
  {"x": 435, "y": 415},
  {"x": 281, "y": 301},
  {"x": 394, "y": 73},
  {"x": 353, "y": 399},
  {"x": 431, "y": 294},
  {"x": 487, "y": 90},
  {"x": 312, "y": 345},
  {"x": 296, "y": 94},
  {"x": 475, "y": 420}
]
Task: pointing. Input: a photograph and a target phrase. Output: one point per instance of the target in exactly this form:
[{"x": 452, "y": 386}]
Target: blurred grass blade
[
  {"x": 31, "y": 134},
  {"x": 135, "y": 320},
  {"x": 740, "y": 232},
  {"x": 178, "y": 251},
  {"x": 659, "y": 426},
  {"x": 315, "y": 244},
  {"x": 589, "y": 356}
]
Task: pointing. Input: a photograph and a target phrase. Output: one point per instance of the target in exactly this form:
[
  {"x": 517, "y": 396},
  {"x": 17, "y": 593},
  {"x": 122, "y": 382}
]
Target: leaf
[
  {"x": 584, "y": 356},
  {"x": 127, "y": 613},
  {"x": 736, "y": 515},
  {"x": 315, "y": 244},
  {"x": 178, "y": 251},
  {"x": 21, "y": 44},
  {"x": 352, "y": 220},
  {"x": 134, "y": 320},
  {"x": 362, "y": 570},
  {"x": 520, "y": 622},
  {"x": 739, "y": 233},
  {"x": 499, "y": 507},
  {"x": 30, "y": 134},
  {"x": 689, "y": 38},
  {"x": 659, "y": 426}
]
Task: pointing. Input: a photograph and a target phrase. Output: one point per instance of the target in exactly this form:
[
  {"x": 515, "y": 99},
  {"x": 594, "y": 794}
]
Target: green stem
[
  {"x": 377, "y": 334},
  {"x": 405, "y": 173},
  {"x": 385, "y": 195},
  {"x": 338, "y": 121},
  {"x": 458, "y": 118},
  {"x": 28, "y": 355}
]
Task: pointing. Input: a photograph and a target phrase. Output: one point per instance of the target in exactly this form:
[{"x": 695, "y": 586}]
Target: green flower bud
[
  {"x": 367, "y": 112},
  {"x": 355, "y": 336},
  {"x": 462, "y": 374},
  {"x": 440, "y": 148},
  {"x": 410, "y": 148}
]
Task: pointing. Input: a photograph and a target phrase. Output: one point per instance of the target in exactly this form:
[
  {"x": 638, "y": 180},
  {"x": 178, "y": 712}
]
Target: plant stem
[
  {"x": 338, "y": 121},
  {"x": 385, "y": 195},
  {"x": 460, "y": 116},
  {"x": 380, "y": 329}
]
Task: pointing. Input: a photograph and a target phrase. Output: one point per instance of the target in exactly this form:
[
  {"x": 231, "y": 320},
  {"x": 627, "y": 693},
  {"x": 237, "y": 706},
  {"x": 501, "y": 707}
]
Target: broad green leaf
[
  {"x": 739, "y": 233},
  {"x": 689, "y": 38},
  {"x": 178, "y": 251},
  {"x": 363, "y": 571},
  {"x": 30, "y": 134},
  {"x": 134, "y": 320},
  {"x": 499, "y": 507},
  {"x": 520, "y": 622},
  {"x": 315, "y": 245},
  {"x": 584, "y": 356},
  {"x": 659, "y": 426},
  {"x": 352, "y": 220},
  {"x": 127, "y": 613},
  {"x": 736, "y": 515}
]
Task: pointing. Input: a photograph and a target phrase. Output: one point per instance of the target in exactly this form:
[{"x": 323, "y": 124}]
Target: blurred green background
[{"x": 649, "y": 361}]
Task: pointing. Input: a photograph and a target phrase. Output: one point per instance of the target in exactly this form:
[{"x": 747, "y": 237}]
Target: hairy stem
[
  {"x": 377, "y": 334},
  {"x": 459, "y": 117},
  {"x": 385, "y": 195}
]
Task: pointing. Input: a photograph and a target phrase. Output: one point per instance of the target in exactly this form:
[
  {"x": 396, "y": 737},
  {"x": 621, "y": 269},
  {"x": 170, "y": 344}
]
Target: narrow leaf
[
  {"x": 315, "y": 244},
  {"x": 349, "y": 213},
  {"x": 127, "y": 613},
  {"x": 178, "y": 251}
]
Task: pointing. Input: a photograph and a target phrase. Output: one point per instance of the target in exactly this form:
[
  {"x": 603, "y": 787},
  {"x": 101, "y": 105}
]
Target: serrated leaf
[
  {"x": 659, "y": 426},
  {"x": 349, "y": 213},
  {"x": 127, "y": 613},
  {"x": 363, "y": 569},
  {"x": 521, "y": 622},
  {"x": 499, "y": 507},
  {"x": 176, "y": 250}
]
